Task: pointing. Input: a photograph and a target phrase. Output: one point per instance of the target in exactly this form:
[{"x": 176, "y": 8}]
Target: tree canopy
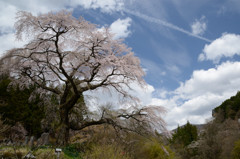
[{"x": 66, "y": 56}]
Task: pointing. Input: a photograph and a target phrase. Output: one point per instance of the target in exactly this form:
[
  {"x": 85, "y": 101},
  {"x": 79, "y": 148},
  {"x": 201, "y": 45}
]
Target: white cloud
[
  {"x": 8, "y": 10},
  {"x": 194, "y": 99},
  {"x": 120, "y": 28},
  {"x": 199, "y": 26},
  {"x": 152, "y": 68},
  {"x": 215, "y": 80},
  {"x": 173, "y": 68},
  {"x": 206, "y": 89},
  {"x": 44, "y": 6},
  {"x": 36, "y": 7},
  {"x": 7, "y": 14},
  {"x": 163, "y": 23},
  {"x": 225, "y": 46},
  {"x": 8, "y": 42},
  {"x": 102, "y": 97},
  {"x": 105, "y": 6}
]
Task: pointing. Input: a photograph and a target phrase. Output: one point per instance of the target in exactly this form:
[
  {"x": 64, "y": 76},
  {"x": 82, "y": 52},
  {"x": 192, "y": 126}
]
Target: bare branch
[{"x": 68, "y": 56}]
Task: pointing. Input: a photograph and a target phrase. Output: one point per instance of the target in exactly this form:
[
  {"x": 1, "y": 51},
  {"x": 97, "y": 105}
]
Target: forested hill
[{"x": 230, "y": 108}]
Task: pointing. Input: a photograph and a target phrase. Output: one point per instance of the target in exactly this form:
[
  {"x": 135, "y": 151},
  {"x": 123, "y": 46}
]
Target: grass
[
  {"x": 11, "y": 152},
  {"x": 43, "y": 152}
]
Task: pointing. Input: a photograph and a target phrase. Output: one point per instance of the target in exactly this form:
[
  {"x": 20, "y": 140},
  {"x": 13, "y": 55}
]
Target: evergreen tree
[
  {"x": 16, "y": 107},
  {"x": 185, "y": 135},
  {"x": 230, "y": 108}
]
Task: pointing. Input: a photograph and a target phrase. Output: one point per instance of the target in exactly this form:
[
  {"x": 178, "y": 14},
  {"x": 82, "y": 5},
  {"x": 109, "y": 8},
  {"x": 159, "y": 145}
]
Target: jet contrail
[{"x": 164, "y": 23}]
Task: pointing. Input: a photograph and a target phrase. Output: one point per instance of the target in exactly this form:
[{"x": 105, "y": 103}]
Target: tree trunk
[{"x": 63, "y": 129}]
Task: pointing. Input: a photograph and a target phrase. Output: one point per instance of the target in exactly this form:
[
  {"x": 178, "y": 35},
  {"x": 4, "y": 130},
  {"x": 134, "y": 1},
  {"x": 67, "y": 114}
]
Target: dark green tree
[
  {"x": 16, "y": 107},
  {"x": 230, "y": 108},
  {"x": 185, "y": 135}
]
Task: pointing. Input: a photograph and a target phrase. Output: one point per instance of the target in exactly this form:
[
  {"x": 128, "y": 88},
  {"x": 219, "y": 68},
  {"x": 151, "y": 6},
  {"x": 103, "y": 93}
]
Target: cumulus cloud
[
  {"x": 215, "y": 80},
  {"x": 225, "y": 46},
  {"x": 120, "y": 28},
  {"x": 196, "y": 97},
  {"x": 199, "y": 26},
  {"x": 193, "y": 100}
]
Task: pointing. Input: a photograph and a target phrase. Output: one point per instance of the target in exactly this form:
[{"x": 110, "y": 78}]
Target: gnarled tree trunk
[
  {"x": 63, "y": 129},
  {"x": 64, "y": 126}
]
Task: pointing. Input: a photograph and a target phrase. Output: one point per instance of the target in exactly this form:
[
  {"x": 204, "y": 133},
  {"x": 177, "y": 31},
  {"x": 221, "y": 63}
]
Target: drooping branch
[
  {"x": 68, "y": 56},
  {"x": 138, "y": 121},
  {"x": 108, "y": 121}
]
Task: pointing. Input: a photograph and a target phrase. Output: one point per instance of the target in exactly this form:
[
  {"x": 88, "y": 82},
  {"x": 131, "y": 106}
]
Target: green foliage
[
  {"x": 230, "y": 107},
  {"x": 107, "y": 147},
  {"x": 108, "y": 151},
  {"x": 185, "y": 135},
  {"x": 236, "y": 150},
  {"x": 16, "y": 107},
  {"x": 71, "y": 151},
  {"x": 151, "y": 147},
  {"x": 155, "y": 150}
]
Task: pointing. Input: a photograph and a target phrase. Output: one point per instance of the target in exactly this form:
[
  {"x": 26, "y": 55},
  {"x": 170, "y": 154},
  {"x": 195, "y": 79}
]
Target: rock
[
  {"x": 44, "y": 139},
  {"x": 26, "y": 140},
  {"x": 9, "y": 143},
  {"x": 29, "y": 156},
  {"x": 31, "y": 141}
]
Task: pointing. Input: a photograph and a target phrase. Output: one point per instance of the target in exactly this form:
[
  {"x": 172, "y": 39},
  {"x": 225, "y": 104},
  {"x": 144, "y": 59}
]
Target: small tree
[
  {"x": 68, "y": 57},
  {"x": 185, "y": 135}
]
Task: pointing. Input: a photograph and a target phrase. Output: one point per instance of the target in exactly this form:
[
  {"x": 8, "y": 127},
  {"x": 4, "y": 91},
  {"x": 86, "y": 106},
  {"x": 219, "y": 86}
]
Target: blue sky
[{"x": 189, "y": 49}]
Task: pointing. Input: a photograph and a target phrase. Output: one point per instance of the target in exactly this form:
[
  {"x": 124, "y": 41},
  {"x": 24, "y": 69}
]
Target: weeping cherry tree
[{"x": 66, "y": 57}]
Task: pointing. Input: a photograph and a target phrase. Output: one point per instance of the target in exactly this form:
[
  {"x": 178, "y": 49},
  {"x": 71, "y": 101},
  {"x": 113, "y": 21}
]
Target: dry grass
[
  {"x": 111, "y": 151},
  {"x": 10, "y": 152}
]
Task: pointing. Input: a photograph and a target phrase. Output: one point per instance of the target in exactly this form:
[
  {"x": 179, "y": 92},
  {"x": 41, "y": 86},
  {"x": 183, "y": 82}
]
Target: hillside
[{"x": 230, "y": 108}]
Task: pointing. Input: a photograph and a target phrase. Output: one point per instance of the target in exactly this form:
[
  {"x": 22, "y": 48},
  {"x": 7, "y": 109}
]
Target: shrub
[
  {"x": 153, "y": 149},
  {"x": 71, "y": 151},
  {"x": 236, "y": 150},
  {"x": 44, "y": 153},
  {"x": 111, "y": 151}
]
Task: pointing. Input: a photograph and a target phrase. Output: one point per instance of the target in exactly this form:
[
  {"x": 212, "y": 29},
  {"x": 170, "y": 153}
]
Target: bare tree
[{"x": 68, "y": 56}]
